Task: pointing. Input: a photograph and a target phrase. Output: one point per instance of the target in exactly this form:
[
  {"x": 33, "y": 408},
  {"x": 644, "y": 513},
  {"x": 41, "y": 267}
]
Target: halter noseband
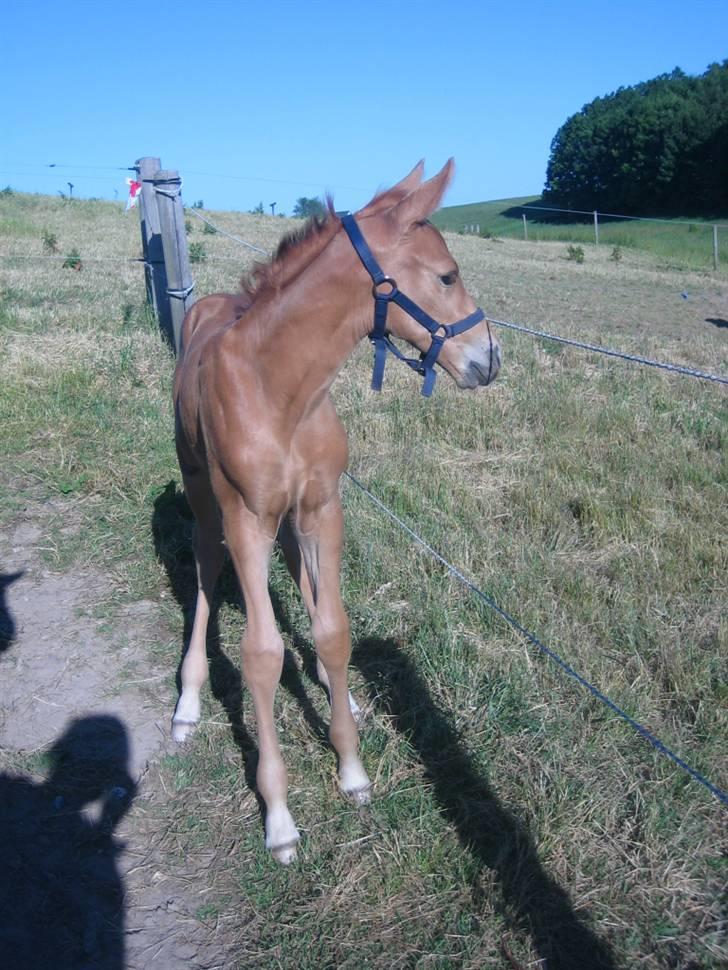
[{"x": 382, "y": 298}]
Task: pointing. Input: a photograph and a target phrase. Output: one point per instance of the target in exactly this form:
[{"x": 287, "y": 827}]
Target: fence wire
[
  {"x": 721, "y": 795},
  {"x": 636, "y": 358},
  {"x": 237, "y": 239},
  {"x": 526, "y": 207}
]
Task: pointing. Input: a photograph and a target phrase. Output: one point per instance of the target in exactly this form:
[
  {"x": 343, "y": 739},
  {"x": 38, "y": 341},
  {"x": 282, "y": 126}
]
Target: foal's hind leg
[
  {"x": 321, "y": 552},
  {"x": 292, "y": 552},
  {"x": 209, "y": 556}
]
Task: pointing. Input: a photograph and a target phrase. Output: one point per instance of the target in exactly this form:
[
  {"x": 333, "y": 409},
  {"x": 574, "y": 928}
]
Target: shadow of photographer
[
  {"x": 7, "y": 621},
  {"x": 61, "y": 894}
]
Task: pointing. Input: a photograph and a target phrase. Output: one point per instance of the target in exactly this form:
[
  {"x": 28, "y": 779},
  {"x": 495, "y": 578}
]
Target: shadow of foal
[{"x": 531, "y": 901}]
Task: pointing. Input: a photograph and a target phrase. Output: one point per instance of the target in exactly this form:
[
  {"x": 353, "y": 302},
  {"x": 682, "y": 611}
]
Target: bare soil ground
[{"x": 84, "y": 726}]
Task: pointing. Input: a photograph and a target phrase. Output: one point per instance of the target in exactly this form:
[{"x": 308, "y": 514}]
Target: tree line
[{"x": 660, "y": 147}]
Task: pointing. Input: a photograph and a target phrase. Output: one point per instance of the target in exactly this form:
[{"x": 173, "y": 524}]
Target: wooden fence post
[
  {"x": 167, "y": 188},
  {"x": 715, "y": 247},
  {"x": 155, "y": 273},
  {"x": 525, "y": 227},
  {"x": 596, "y": 228}
]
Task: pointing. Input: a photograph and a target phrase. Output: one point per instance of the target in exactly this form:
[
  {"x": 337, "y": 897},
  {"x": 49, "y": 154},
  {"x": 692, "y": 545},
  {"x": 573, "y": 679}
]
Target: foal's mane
[{"x": 293, "y": 254}]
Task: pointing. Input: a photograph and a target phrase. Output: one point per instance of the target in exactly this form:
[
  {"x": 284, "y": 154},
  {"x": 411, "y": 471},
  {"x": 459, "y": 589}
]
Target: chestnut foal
[{"x": 262, "y": 449}]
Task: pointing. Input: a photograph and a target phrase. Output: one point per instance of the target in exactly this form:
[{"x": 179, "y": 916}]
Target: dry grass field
[{"x": 516, "y": 822}]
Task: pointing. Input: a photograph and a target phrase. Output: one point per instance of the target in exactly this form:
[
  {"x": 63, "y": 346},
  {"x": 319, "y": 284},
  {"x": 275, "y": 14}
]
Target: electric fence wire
[
  {"x": 721, "y": 795},
  {"x": 108, "y": 259},
  {"x": 237, "y": 239},
  {"x": 594, "y": 348},
  {"x": 527, "y": 207}
]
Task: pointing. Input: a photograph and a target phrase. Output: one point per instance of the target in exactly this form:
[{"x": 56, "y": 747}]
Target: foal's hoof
[
  {"x": 360, "y": 796},
  {"x": 285, "y": 854},
  {"x": 183, "y": 730}
]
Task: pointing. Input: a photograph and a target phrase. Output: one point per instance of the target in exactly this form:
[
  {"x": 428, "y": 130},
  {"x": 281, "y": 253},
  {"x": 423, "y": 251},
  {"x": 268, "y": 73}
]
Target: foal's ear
[
  {"x": 423, "y": 201},
  {"x": 388, "y": 198},
  {"x": 410, "y": 182}
]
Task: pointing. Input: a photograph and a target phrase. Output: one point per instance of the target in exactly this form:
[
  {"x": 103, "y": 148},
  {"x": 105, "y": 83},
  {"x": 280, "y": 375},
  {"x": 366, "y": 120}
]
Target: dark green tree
[{"x": 659, "y": 147}]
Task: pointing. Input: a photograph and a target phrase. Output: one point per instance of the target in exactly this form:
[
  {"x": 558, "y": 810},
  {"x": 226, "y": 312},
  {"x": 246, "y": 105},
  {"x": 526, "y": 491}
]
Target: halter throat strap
[{"x": 385, "y": 291}]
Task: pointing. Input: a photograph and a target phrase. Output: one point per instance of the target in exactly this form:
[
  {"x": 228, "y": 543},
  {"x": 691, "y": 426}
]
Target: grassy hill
[
  {"x": 515, "y": 820},
  {"x": 490, "y": 216},
  {"x": 687, "y": 242}
]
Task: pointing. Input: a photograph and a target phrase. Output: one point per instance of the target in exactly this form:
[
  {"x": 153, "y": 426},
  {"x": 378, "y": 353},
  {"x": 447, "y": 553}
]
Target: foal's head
[{"x": 412, "y": 251}]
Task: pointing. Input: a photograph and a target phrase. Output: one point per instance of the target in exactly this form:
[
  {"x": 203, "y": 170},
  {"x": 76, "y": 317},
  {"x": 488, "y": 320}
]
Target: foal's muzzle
[{"x": 482, "y": 365}]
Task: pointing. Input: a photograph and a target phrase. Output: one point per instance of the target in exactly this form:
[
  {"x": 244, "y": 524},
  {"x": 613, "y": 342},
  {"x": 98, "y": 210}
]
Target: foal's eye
[{"x": 448, "y": 279}]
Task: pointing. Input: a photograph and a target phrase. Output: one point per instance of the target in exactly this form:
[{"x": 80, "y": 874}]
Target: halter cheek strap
[{"x": 385, "y": 291}]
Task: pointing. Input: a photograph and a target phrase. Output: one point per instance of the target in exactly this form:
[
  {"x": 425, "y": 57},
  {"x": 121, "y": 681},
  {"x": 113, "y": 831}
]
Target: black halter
[{"x": 380, "y": 338}]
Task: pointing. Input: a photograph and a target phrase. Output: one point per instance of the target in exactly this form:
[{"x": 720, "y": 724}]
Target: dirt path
[{"x": 84, "y": 725}]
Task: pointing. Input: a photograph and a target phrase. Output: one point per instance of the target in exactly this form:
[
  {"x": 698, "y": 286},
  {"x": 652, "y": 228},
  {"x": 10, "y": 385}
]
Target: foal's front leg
[{"x": 262, "y": 658}]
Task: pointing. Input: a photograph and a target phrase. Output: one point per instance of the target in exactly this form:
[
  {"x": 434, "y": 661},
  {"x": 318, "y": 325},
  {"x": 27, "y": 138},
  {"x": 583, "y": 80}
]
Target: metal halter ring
[{"x": 384, "y": 296}]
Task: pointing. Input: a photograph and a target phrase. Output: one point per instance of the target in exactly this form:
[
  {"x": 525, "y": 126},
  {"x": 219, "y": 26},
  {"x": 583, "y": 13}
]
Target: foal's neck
[{"x": 306, "y": 332}]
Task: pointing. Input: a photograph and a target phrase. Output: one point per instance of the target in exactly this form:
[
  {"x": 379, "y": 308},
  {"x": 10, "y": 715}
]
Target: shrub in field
[
  {"x": 616, "y": 254},
  {"x": 7, "y": 191},
  {"x": 50, "y": 242},
  {"x": 197, "y": 253},
  {"x": 575, "y": 254},
  {"x": 305, "y": 208},
  {"x": 209, "y": 230},
  {"x": 188, "y": 227},
  {"x": 73, "y": 260}
]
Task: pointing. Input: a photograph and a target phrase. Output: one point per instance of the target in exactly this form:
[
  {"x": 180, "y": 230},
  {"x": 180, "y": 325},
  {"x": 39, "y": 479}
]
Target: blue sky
[{"x": 269, "y": 101}]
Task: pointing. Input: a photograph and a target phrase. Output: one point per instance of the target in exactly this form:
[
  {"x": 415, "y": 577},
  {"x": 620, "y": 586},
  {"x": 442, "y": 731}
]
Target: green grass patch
[
  {"x": 682, "y": 242},
  {"x": 513, "y": 813}
]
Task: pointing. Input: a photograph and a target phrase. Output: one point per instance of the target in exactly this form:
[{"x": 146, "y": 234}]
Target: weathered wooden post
[
  {"x": 525, "y": 226},
  {"x": 715, "y": 247},
  {"x": 155, "y": 273},
  {"x": 167, "y": 189},
  {"x": 596, "y": 228}
]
